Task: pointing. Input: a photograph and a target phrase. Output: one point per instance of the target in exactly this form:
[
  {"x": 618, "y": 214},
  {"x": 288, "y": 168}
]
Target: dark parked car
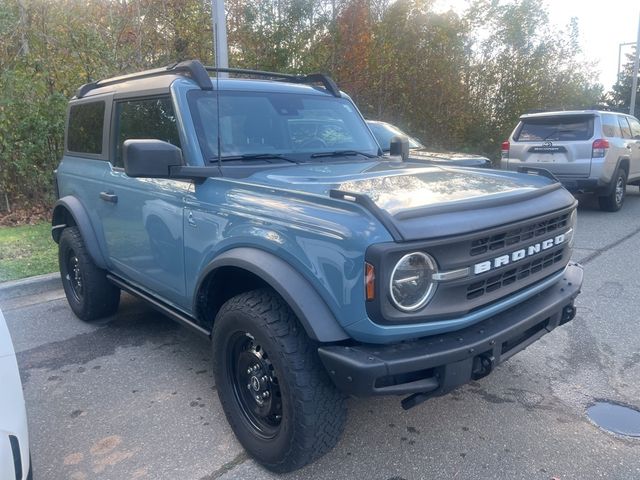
[{"x": 384, "y": 132}]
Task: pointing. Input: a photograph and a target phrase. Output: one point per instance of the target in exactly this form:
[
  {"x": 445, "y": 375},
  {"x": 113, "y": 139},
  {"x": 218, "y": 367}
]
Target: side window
[
  {"x": 145, "y": 119},
  {"x": 84, "y": 131},
  {"x": 635, "y": 128},
  {"x": 610, "y": 126},
  {"x": 624, "y": 126}
]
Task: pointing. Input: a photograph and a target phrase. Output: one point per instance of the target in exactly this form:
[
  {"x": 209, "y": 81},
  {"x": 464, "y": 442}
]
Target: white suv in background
[
  {"x": 15, "y": 461},
  {"x": 587, "y": 150}
]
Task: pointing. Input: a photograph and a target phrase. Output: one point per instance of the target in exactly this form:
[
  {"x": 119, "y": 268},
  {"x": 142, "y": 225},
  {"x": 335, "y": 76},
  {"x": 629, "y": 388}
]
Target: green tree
[
  {"x": 619, "y": 98},
  {"x": 457, "y": 82}
]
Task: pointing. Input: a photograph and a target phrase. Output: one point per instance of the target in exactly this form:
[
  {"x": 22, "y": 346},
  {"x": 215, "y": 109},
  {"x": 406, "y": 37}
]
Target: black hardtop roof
[{"x": 199, "y": 74}]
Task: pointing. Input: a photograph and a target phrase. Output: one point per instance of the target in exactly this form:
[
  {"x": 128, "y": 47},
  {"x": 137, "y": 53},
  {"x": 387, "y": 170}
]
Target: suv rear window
[
  {"x": 558, "y": 128},
  {"x": 84, "y": 133}
]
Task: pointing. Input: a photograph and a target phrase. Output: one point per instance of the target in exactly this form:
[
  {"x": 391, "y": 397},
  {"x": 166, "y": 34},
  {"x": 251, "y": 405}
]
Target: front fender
[
  {"x": 313, "y": 313},
  {"x": 70, "y": 206}
]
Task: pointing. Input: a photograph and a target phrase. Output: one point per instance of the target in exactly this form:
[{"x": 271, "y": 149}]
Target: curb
[{"x": 30, "y": 286}]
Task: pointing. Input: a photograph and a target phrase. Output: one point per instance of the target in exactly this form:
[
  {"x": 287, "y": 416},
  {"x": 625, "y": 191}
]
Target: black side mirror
[
  {"x": 399, "y": 146},
  {"x": 150, "y": 158}
]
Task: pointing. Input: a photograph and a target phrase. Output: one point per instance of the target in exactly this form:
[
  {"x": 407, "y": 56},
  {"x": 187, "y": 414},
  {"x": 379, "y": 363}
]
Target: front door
[{"x": 142, "y": 218}]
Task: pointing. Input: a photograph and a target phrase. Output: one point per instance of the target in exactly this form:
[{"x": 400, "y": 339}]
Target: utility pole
[
  {"x": 219, "y": 23},
  {"x": 620, "y": 45},
  {"x": 634, "y": 83}
]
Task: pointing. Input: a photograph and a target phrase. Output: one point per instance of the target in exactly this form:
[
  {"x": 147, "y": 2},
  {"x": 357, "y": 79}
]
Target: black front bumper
[{"x": 435, "y": 365}]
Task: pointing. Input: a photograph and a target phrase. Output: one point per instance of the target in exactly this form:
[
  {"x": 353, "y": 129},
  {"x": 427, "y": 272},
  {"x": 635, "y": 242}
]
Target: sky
[{"x": 602, "y": 25}]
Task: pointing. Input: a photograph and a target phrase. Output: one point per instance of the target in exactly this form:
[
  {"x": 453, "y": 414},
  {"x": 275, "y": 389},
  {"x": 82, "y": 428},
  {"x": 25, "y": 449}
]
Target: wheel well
[
  {"x": 61, "y": 216},
  {"x": 624, "y": 164},
  {"x": 221, "y": 285}
]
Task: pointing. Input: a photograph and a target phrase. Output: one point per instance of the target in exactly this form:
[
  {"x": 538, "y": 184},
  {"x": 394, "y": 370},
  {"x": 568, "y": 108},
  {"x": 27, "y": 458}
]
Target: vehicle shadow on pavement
[
  {"x": 125, "y": 398},
  {"x": 134, "y": 325},
  {"x": 589, "y": 203}
]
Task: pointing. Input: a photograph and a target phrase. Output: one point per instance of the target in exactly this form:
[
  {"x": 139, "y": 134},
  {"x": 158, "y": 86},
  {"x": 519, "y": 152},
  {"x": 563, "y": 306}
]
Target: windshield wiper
[
  {"x": 258, "y": 156},
  {"x": 342, "y": 153}
]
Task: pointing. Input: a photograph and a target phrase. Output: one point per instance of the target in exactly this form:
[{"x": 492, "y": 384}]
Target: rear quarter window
[
  {"x": 635, "y": 127},
  {"x": 610, "y": 126},
  {"x": 559, "y": 128},
  {"x": 85, "y": 128},
  {"x": 624, "y": 127}
]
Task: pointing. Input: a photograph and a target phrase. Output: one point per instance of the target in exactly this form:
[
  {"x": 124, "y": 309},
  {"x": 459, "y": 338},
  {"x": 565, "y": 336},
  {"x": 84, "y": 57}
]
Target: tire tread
[
  {"x": 101, "y": 298},
  {"x": 321, "y": 408}
]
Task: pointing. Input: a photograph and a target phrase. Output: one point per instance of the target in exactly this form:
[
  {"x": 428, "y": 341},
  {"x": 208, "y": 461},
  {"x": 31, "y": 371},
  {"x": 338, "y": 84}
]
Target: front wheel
[
  {"x": 274, "y": 391},
  {"x": 614, "y": 200}
]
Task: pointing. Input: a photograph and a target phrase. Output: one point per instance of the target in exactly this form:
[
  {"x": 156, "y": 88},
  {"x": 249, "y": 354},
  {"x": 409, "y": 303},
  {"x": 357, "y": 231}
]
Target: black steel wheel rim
[
  {"x": 74, "y": 276},
  {"x": 255, "y": 385}
]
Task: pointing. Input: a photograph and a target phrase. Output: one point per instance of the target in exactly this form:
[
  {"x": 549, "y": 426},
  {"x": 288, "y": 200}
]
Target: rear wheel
[
  {"x": 90, "y": 295},
  {"x": 615, "y": 199},
  {"x": 275, "y": 393}
]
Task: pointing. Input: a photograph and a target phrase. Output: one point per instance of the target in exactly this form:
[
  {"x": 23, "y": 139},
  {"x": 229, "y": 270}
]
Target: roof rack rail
[
  {"x": 199, "y": 73},
  {"x": 322, "y": 78},
  {"x": 192, "y": 68},
  {"x": 597, "y": 106}
]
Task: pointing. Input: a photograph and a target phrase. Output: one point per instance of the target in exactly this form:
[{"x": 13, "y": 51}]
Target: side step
[{"x": 159, "y": 305}]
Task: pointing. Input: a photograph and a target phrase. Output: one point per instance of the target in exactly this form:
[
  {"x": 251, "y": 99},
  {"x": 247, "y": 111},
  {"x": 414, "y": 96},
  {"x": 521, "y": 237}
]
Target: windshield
[
  {"x": 384, "y": 132},
  {"x": 267, "y": 126}
]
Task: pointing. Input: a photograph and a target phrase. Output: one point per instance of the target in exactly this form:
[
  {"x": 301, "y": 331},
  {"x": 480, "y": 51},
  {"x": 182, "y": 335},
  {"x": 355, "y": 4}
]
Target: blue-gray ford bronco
[{"x": 259, "y": 211}]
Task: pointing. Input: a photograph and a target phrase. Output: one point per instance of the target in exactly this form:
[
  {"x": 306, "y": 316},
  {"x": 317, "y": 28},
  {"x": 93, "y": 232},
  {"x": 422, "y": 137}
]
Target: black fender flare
[
  {"x": 608, "y": 188},
  {"x": 312, "y": 311},
  {"x": 72, "y": 206}
]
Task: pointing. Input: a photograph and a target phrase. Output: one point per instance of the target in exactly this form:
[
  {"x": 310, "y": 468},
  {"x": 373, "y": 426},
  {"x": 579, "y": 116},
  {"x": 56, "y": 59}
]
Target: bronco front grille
[
  {"x": 482, "y": 287},
  {"x": 513, "y": 275},
  {"x": 518, "y": 235}
]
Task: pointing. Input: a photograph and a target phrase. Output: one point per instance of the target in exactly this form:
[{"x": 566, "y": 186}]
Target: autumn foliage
[{"x": 455, "y": 80}]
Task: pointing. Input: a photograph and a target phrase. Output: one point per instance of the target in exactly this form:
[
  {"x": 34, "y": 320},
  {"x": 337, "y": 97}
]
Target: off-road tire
[
  {"x": 615, "y": 199},
  {"x": 313, "y": 410},
  {"x": 99, "y": 298}
]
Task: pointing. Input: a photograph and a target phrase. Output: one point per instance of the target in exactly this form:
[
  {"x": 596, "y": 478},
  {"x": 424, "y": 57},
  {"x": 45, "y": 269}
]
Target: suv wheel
[
  {"x": 614, "y": 200},
  {"x": 90, "y": 295},
  {"x": 273, "y": 388}
]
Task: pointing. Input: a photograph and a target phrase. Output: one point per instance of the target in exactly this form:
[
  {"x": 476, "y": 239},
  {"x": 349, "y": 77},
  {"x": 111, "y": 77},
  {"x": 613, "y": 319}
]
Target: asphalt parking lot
[{"x": 134, "y": 398}]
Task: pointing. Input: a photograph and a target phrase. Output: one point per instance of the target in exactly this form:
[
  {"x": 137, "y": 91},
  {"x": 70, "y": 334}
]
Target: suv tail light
[
  {"x": 599, "y": 148},
  {"x": 505, "y": 149}
]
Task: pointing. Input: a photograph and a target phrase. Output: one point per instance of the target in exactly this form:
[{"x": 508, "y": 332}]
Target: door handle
[
  {"x": 109, "y": 197},
  {"x": 190, "y": 220}
]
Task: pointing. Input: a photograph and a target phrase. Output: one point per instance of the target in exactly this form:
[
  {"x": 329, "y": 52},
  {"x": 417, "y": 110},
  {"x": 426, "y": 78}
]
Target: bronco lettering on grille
[{"x": 512, "y": 257}]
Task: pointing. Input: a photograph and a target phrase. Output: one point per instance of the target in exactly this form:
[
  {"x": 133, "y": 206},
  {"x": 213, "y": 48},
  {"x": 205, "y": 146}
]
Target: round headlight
[{"x": 411, "y": 286}]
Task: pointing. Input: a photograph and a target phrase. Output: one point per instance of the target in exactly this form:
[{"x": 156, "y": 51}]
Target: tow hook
[
  {"x": 415, "y": 399},
  {"x": 568, "y": 313},
  {"x": 482, "y": 366}
]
